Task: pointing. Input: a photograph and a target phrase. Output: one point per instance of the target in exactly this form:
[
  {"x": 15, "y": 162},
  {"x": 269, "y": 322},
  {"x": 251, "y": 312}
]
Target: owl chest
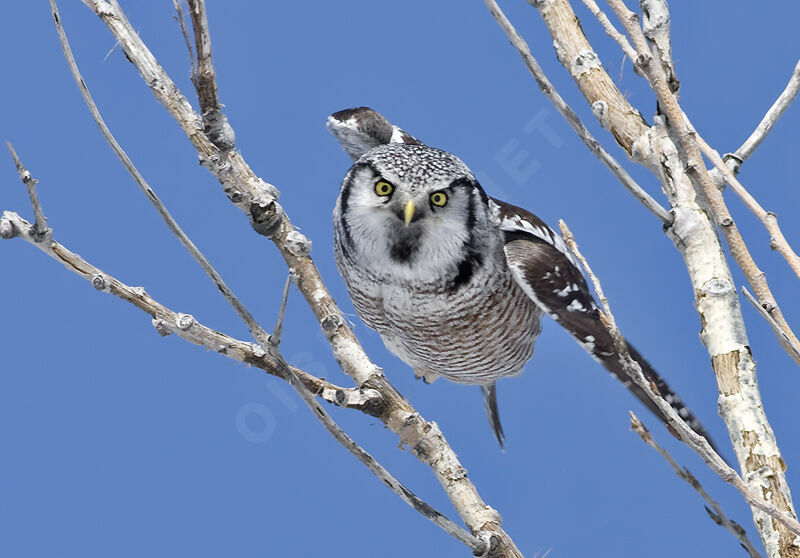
[
  {"x": 406, "y": 306},
  {"x": 483, "y": 330}
]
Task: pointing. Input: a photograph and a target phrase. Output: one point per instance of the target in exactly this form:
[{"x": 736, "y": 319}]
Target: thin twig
[
  {"x": 788, "y": 345},
  {"x": 206, "y": 82},
  {"x": 40, "y": 221},
  {"x": 777, "y": 241},
  {"x": 256, "y": 330},
  {"x": 770, "y": 118},
  {"x": 610, "y": 30},
  {"x": 698, "y": 443},
  {"x": 572, "y": 118},
  {"x": 275, "y": 338},
  {"x": 185, "y": 326},
  {"x": 656, "y": 27},
  {"x": 182, "y": 23},
  {"x": 717, "y": 515}
]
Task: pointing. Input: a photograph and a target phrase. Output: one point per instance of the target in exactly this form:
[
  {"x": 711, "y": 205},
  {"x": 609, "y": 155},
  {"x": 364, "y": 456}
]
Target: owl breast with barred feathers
[{"x": 454, "y": 281}]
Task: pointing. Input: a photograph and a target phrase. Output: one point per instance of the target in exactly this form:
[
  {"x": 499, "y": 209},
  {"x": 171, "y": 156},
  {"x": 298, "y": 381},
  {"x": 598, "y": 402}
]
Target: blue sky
[{"x": 119, "y": 442}]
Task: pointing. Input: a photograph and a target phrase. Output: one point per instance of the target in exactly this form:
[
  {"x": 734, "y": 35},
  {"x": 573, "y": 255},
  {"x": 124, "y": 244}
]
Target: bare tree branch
[
  {"x": 717, "y": 515},
  {"x": 600, "y": 110},
  {"x": 656, "y": 23},
  {"x": 206, "y": 80},
  {"x": 167, "y": 321},
  {"x": 610, "y": 30},
  {"x": 275, "y": 338},
  {"x": 770, "y": 118},
  {"x": 259, "y": 201},
  {"x": 791, "y": 348},
  {"x": 185, "y": 33},
  {"x": 255, "y": 329},
  {"x": 770, "y": 221},
  {"x": 187, "y": 327},
  {"x": 40, "y": 222}
]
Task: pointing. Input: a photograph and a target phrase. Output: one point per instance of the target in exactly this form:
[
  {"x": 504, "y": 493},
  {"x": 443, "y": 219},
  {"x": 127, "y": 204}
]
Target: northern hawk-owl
[{"x": 456, "y": 282}]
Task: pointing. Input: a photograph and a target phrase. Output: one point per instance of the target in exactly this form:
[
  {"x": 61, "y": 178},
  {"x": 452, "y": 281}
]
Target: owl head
[{"x": 408, "y": 209}]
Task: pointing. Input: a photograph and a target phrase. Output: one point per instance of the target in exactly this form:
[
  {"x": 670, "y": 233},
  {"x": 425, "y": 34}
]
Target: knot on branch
[
  {"x": 717, "y": 287},
  {"x": 736, "y": 162},
  {"x": 643, "y": 61},
  {"x": 265, "y": 216},
  {"x": 298, "y": 244},
  {"x": 184, "y": 321},
  {"x": 7, "y": 228},
  {"x": 585, "y": 61},
  {"x": 161, "y": 327},
  {"x": 685, "y": 224},
  {"x": 218, "y": 131},
  {"x": 330, "y": 324},
  {"x": 99, "y": 282},
  {"x": 369, "y": 401},
  {"x": 600, "y": 111},
  {"x": 490, "y": 543}
]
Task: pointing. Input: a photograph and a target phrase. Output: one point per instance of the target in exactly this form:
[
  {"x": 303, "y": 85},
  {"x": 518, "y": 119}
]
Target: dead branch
[{"x": 770, "y": 118}]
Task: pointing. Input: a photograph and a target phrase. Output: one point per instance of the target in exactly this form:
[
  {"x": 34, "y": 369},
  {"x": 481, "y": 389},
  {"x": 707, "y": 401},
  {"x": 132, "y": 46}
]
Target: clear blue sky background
[{"x": 117, "y": 442}]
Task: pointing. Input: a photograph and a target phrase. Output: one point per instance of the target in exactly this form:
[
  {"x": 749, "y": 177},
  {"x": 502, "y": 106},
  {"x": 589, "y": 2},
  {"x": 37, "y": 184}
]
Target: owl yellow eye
[
  {"x": 383, "y": 188},
  {"x": 439, "y": 199}
]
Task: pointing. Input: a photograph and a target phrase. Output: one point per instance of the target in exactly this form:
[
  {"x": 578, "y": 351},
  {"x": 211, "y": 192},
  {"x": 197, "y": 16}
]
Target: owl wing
[{"x": 544, "y": 268}]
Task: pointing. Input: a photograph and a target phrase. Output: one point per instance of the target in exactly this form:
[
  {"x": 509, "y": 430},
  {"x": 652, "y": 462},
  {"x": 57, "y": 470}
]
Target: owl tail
[{"x": 490, "y": 402}]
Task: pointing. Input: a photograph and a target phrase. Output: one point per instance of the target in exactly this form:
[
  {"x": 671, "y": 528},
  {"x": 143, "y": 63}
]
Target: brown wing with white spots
[{"x": 546, "y": 271}]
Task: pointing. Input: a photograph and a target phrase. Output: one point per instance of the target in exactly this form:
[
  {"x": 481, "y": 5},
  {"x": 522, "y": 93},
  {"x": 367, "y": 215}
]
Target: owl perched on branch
[{"x": 456, "y": 282}]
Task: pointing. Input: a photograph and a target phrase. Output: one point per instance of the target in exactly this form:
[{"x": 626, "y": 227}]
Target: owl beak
[{"x": 408, "y": 212}]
